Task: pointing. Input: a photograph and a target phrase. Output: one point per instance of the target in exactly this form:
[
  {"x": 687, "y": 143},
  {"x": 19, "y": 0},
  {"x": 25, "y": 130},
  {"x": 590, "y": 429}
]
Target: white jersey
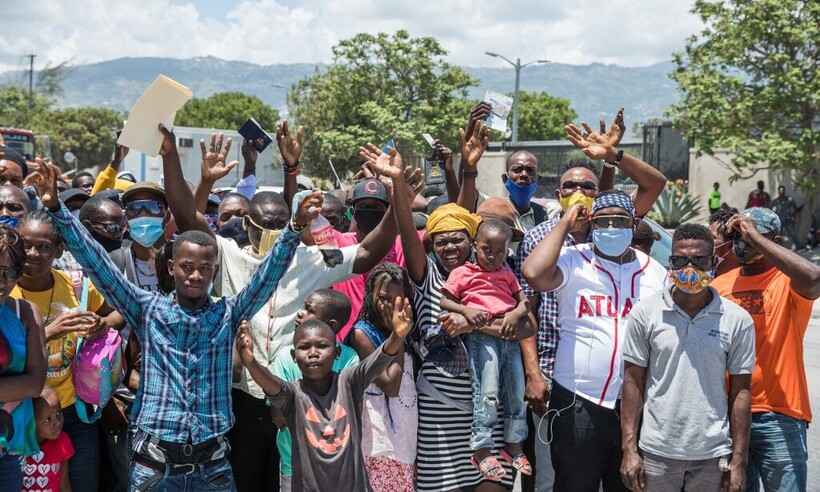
[{"x": 593, "y": 301}]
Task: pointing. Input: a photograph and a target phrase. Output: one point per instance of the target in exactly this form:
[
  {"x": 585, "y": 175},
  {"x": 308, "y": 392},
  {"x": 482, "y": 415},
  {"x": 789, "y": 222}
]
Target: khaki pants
[{"x": 667, "y": 475}]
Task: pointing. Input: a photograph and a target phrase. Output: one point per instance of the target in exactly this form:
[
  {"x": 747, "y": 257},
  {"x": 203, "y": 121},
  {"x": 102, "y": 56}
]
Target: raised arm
[
  {"x": 247, "y": 185},
  {"x": 214, "y": 167},
  {"x": 604, "y": 146},
  {"x": 393, "y": 167},
  {"x": 540, "y": 269},
  {"x": 804, "y": 274},
  {"x": 390, "y": 379},
  {"x": 451, "y": 181},
  {"x": 31, "y": 381},
  {"x": 290, "y": 146},
  {"x": 124, "y": 296},
  {"x": 107, "y": 178},
  {"x": 180, "y": 200},
  {"x": 269, "y": 383},
  {"x": 472, "y": 143},
  {"x": 266, "y": 279}
]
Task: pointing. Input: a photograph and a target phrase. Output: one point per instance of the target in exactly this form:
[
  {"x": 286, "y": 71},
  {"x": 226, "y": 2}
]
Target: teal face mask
[
  {"x": 611, "y": 241},
  {"x": 146, "y": 230}
]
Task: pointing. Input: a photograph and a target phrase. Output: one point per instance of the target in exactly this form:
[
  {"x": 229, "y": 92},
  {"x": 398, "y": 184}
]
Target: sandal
[
  {"x": 490, "y": 468},
  {"x": 520, "y": 462}
]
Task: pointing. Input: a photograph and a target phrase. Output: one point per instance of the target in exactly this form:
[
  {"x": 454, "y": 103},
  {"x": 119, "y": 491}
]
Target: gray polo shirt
[{"x": 685, "y": 414}]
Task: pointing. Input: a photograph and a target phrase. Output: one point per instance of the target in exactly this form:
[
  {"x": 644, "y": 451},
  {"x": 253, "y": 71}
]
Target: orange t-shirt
[{"x": 781, "y": 317}]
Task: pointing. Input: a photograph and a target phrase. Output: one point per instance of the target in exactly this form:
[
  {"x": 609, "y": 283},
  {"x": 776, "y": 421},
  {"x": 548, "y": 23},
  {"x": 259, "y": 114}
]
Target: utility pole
[
  {"x": 517, "y": 66},
  {"x": 30, "y": 85}
]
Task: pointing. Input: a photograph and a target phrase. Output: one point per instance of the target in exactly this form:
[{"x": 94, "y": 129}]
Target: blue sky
[{"x": 626, "y": 32}]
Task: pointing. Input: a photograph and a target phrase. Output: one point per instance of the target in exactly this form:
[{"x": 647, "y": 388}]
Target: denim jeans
[
  {"x": 777, "y": 454},
  {"x": 118, "y": 447},
  {"x": 215, "y": 476},
  {"x": 544, "y": 473},
  {"x": 11, "y": 474},
  {"x": 83, "y": 467},
  {"x": 497, "y": 372}
]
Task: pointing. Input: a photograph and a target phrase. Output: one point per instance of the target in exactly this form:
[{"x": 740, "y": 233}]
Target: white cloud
[{"x": 636, "y": 32}]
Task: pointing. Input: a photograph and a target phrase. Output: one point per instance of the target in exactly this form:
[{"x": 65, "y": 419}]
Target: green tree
[
  {"x": 542, "y": 117},
  {"x": 750, "y": 83},
  {"x": 14, "y": 107},
  {"x": 377, "y": 87},
  {"x": 87, "y": 132},
  {"x": 227, "y": 110}
]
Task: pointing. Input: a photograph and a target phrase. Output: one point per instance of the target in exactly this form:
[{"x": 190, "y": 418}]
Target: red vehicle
[{"x": 20, "y": 140}]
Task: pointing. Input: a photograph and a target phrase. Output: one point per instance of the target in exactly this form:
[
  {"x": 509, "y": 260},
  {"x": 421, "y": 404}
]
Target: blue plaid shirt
[
  {"x": 548, "y": 329},
  {"x": 185, "y": 373}
]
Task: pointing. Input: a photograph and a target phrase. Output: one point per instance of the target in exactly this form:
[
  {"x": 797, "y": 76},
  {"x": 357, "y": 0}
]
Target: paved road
[{"x": 812, "y": 358}]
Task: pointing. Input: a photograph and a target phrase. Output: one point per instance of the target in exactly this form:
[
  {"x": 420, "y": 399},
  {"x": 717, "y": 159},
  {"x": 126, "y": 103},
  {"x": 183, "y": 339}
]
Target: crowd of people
[{"x": 170, "y": 338}]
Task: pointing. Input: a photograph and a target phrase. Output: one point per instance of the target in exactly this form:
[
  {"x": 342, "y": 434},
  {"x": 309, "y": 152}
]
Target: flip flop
[
  {"x": 520, "y": 462},
  {"x": 490, "y": 468}
]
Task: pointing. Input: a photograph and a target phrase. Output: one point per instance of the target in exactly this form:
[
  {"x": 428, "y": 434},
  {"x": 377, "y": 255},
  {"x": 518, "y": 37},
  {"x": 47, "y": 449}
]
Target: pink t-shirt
[
  {"x": 491, "y": 292},
  {"x": 354, "y": 287},
  {"x": 41, "y": 472}
]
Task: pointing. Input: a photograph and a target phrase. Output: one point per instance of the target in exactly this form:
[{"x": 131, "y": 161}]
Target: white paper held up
[
  {"x": 158, "y": 104},
  {"x": 501, "y": 107}
]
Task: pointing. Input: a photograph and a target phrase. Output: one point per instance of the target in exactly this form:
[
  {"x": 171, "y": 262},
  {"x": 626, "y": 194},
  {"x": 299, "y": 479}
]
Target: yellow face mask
[
  {"x": 268, "y": 237},
  {"x": 576, "y": 197}
]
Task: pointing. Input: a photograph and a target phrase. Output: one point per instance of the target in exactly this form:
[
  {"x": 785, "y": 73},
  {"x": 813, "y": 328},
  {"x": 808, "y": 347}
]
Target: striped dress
[{"x": 443, "y": 455}]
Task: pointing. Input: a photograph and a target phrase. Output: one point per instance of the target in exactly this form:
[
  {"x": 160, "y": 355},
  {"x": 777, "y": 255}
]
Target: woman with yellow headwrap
[{"x": 445, "y": 383}]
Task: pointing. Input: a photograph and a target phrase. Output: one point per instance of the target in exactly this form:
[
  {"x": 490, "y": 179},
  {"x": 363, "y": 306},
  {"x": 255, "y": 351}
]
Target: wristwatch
[{"x": 618, "y": 156}]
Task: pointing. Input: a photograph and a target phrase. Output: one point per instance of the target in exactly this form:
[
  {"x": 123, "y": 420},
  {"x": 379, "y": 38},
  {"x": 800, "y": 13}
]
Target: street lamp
[{"x": 517, "y": 65}]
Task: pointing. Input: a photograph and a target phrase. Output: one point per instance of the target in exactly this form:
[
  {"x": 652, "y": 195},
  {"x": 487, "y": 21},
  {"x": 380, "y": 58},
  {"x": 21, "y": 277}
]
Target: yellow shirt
[{"x": 61, "y": 350}]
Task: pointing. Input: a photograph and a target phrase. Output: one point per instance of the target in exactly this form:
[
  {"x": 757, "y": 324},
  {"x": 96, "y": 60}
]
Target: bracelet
[
  {"x": 297, "y": 228},
  {"x": 469, "y": 173}
]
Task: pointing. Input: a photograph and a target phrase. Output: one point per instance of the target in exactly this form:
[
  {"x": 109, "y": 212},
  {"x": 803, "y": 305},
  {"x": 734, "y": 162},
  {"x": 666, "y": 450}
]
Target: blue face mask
[
  {"x": 9, "y": 221},
  {"x": 146, "y": 230},
  {"x": 612, "y": 242},
  {"x": 520, "y": 195}
]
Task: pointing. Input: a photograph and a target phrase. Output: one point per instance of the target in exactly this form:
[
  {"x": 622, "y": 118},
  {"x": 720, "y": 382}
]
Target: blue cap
[
  {"x": 615, "y": 198},
  {"x": 765, "y": 220}
]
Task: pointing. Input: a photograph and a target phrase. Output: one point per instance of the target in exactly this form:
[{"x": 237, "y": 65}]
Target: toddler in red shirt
[
  {"x": 47, "y": 470},
  {"x": 484, "y": 292}
]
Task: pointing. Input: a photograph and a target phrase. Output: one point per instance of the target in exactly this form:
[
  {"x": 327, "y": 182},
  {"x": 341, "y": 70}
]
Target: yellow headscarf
[{"x": 451, "y": 218}]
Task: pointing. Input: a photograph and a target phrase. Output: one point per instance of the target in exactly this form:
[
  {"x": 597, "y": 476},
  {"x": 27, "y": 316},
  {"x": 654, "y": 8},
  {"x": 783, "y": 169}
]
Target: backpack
[{"x": 97, "y": 368}]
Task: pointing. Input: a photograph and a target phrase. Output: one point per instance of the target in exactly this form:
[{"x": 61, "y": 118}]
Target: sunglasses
[
  {"x": 584, "y": 185},
  {"x": 702, "y": 262},
  {"x": 109, "y": 228},
  {"x": 612, "y": 221},
  {"x": 153, "y": 207}
]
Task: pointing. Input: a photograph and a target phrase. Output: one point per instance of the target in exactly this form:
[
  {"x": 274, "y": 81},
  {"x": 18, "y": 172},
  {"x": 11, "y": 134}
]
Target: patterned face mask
[{"x": 690, "y": 279}]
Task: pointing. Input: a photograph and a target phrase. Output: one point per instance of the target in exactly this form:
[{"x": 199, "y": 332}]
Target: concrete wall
[{"x": 707, "y": 169}]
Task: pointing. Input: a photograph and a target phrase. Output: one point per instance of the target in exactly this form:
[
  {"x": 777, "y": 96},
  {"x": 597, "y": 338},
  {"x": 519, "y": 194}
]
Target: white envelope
[
  {"x": 501, "y": 106},
  {"x": 158, "y": 104}
]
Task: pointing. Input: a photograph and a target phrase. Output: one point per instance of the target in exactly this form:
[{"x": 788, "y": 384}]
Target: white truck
[{"x": 147, "y": 168}]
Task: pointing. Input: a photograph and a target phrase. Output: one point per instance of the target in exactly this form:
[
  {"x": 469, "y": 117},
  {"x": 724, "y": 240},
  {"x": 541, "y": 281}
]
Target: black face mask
[
  {"x": 107, "y": 243},
  {"x": 745, "y": 254},
  {"x": 367, "y": 220},
  {"x": 233, "y": 229}
]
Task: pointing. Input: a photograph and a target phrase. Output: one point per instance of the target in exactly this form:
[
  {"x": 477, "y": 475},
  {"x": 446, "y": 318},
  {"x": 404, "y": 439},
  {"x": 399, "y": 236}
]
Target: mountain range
[{"x": 644, "y": 92}]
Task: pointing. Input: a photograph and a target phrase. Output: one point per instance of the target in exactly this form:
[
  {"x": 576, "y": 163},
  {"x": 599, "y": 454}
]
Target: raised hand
[
  {"x": 309, "y": 209},
  {"x": 120, "y": 151},
  {"x": 473, "y": 143},
  {"x": 604, "y": 136},
  {"x": 594, "y": 149},
  {"x": 214, "y": 167},
  {"x": 244, "y": 343},
  {"x": 401, "y": 316},
  {"x": 389, "y": 165},
  {"x": 445, "y": 154},
  {"x": 45, "y": 181},
  {"x": 290, "y": 146},
  {"x": 742, "y": 225},
  {"x": 169, "y": 141},
  {"x": 249, "y": 152}
]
